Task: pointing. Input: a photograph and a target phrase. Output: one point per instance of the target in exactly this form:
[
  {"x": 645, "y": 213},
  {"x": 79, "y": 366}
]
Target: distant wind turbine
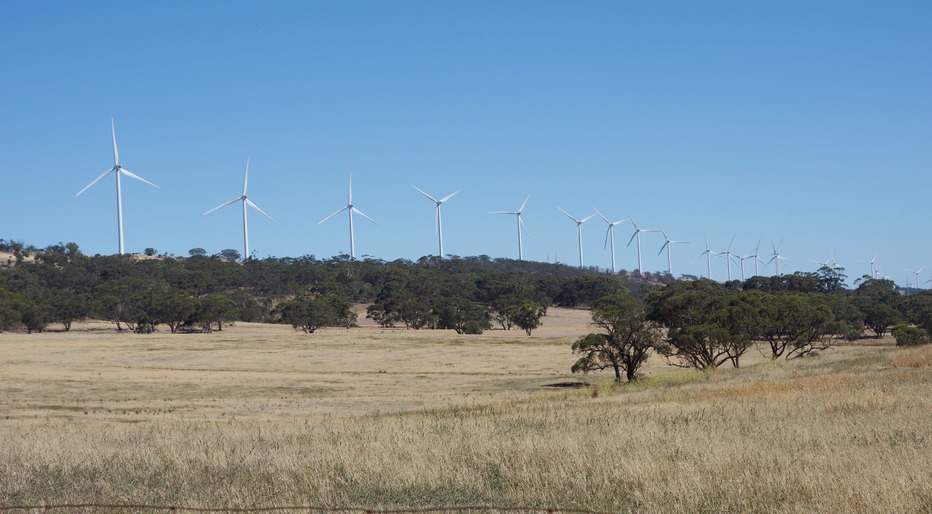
[
  {"x": 438, "y": 221},
  {"x": 637, "y": 235},
  {"x": 350, "y": 208},
  {"x": 117, "y": 170},
  {"x": 667, "y": 244},
  {"x": 610, "y": 234},
  {"x": 873, "y": 265},
  {"x": 521, "y": 226},
  {"x": 578, "y": 232},
  {"x": 246, "y": 201},
  {"x": 917, "y": 276},
  {"x": 727, "y": 255},
  {"x": 708, "y": 256},
  {"x": 776, "y": 257}
]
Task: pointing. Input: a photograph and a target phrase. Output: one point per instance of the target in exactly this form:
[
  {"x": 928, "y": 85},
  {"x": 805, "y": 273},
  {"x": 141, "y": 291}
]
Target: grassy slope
[{"x": 226, "y": 421}]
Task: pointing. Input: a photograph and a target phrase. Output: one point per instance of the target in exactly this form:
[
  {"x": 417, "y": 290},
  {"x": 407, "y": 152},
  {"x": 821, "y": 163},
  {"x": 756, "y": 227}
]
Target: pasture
[{"x": 265, "y": 416}]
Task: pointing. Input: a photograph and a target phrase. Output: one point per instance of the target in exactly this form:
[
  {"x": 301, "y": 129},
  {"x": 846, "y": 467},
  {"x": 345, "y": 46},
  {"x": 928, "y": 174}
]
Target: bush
[{"x": 908, "y": 335}]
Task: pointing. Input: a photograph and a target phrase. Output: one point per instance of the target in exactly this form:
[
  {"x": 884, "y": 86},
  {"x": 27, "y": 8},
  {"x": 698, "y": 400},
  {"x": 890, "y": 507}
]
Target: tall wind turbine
[
  {"x": 637, "y": 235},
  {"x": 521, "y": 226},
  {"x": 610, "y": 234},
  {"x": 728, "y": 256},
  {"x": 917, "y": 276},
  {"x": 776, "y": 257},
  {"x": 438, "y": 221},
  {"x": 117, "y": 170},
  {"x": 578, "y": 231},
  {"x": 873, "y": 263},
  {"x": 667, "y": 244},
  {"x": 757, "y": 261},
  {"x": 708, "y": 256},
  {"x": 246, "y": 201},
  {"x": 350, "y": 208}
]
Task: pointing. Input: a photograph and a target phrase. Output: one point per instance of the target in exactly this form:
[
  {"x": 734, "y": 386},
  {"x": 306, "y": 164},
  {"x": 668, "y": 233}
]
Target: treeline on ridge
[{"x": 59, "y": 284}]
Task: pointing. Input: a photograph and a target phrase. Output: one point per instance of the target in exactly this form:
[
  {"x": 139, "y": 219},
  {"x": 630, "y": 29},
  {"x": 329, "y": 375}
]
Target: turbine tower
[
  {"x": 350, "y": 208},
  {"x": 117, "y": 170},
  {"x": 667, "y": 244},
  {"x": 610, "y": 234},
  {"x": 708, "y": 256},
  {"x": 873, "y": 264},
  {"x": 578, "y": 231},
  {"x": 637, "y": 235},
  {"x": 521, "y": 226},
  {"x": 246, "y": 201},
  {"x": 917, "y": 276},
  {"x": 439, "y": 223}
]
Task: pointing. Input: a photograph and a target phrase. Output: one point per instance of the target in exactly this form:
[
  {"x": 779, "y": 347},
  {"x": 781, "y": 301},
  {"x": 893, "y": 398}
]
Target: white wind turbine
[
  {"x": 578, "y": 232},
  {"x": 776, "y": 257},
  {"x": 521, "y": 226},
  {"x": 708, "y": 255},
  {"x": 873, "y": 264},
  {"x": 350, "y": 208},
  {"x": 667, "y": 244},
  {"x": 727, "y": 255},
  {"x": 438, "y": 220},
  {"x": 637, "y": 235},
  {"x": 117, "y": 170},
  {"x": 610, "y": 234},
  {"x": 757, "y": 260},
  {"x": 917, "y": 276},
  {"x": 246, "y": 201}
]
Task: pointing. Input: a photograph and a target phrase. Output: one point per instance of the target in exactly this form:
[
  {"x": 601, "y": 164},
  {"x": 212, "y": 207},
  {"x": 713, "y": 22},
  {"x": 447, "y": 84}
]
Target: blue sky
[{"x": 803, "y": 122}]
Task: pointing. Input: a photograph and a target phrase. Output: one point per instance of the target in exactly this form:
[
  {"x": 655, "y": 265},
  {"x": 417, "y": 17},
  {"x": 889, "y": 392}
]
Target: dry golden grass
[{"x": 264, "y": 416}]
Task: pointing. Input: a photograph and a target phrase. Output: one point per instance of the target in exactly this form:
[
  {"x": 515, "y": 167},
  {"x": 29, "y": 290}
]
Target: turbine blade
[
  {"x": 502, "y": 212},
  {"x": 96, "y": 180},
  {"x": 425, "y": 194},
  {"x": 223, "y": 205},
  {"x": 246, "y": 176},
  {"x": 602, "y": 215},
  {"x": 524, "y": 203},
  {"x": 338, "y": 211},
  {"x": 116, "y": 153},
  {"x": 568, "y": 214},
  {"x": 663, "y": 247},
  {"x": 256, "y": 207},
  {"x": 130, "y": 174},
  {"x": 633, "y": 236},
  {"x": 445, "y": 198},
  {"x": 359, "y": 212},
  {"x": 607, "y": 234},
  {"x": 587, "y": 218},
  {"x": 521, "y": 223}
]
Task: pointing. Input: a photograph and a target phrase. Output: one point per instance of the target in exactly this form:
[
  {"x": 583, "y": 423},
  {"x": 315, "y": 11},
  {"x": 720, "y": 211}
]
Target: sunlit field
[{"x": 265, "y": 416}]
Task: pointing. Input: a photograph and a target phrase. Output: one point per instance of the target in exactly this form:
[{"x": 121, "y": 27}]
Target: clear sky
[{"x": 804, "y": 122}]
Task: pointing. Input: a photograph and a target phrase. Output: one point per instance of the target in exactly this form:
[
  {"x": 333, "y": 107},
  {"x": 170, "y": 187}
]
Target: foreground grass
[{"x": 844, "y": 432}]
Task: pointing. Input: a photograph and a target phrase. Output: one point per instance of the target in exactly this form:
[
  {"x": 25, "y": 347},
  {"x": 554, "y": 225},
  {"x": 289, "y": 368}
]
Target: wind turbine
[
  {"x": 517, "y": 214},
  {"x": 350, "y": 208},
  {"x": 873, "y": 264},
  {"x": 917, "y": 276},
  {"x": 728, "y": 256},
  {"x": 246, "y": 201},
  {"x": 757, "y": 260},
  {"x": 438, "y": 221},
  {"x": 708, "y": 255},
  {"x": 117, "y": 170},
  {"x": 776, "y": 257},
  {"x": 578, "y": 231},
  {"x": 637, "y": 234},
  {"x": 610, "y": 234},
  {"x": 667, "y": 244}
]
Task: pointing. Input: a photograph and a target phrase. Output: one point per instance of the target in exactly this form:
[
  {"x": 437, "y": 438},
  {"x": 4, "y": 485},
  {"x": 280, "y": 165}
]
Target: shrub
[{"x": 908, "y": 335}]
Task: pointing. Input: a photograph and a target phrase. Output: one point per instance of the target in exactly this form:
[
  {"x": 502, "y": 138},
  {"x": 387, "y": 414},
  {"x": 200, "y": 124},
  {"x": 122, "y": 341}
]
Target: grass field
[{"x": 263, "y": 416}]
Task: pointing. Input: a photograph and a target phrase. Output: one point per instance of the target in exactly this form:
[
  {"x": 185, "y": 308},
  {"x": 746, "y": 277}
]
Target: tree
[
  {"x": 149, "y": 252},
  {"x": 706, "y": 325},
  {"x": 877, "y": 299},
  {"x": 907, "y": 335},
  {"x": 461, "y": 315},
  {"x": 626, "y": 341},
  {"x": 230, "y": 254},
  {"x": 197, "y": 252},
  {"x": 308, "y": 313},
  {"x": 795, "y": 324},
  {"x": 214, "y": 309},
  {"x": 526, "y": 315}
]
